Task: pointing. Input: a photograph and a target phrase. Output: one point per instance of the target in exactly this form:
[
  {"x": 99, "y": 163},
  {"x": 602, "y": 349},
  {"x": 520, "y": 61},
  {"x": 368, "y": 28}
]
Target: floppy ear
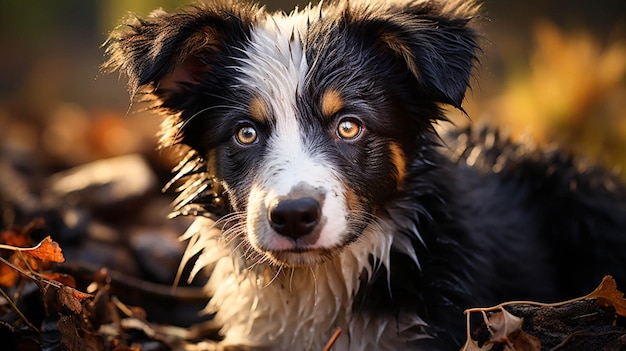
[
  {"x": 436, "y": 42},
  {"x": 166, "y": 55}
]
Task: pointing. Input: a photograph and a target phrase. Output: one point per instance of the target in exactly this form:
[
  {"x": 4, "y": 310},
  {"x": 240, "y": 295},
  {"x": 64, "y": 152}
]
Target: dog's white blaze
[{"x": 276, "y": 68}]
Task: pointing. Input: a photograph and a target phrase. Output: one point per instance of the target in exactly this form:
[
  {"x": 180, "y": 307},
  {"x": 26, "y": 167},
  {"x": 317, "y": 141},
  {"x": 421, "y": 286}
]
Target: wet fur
[{"x": 423, "y": 226}]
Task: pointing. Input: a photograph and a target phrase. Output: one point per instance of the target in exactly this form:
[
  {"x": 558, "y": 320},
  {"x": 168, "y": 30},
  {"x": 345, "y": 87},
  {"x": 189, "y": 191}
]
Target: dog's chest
[
  {"x": 295, "y": 307},
  {"x": 298, "y": 308}
]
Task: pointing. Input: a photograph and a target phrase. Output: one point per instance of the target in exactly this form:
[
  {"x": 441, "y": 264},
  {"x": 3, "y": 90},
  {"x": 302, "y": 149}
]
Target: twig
[
  {"x": 17, "y": 248},
  {"x": 530, "y": 303},
  {"x": 17, "y": 310},
  {"x": 333, "y": 339},
  {"x": 32, "y": 275},
  {"x": 583, "y": 333}
]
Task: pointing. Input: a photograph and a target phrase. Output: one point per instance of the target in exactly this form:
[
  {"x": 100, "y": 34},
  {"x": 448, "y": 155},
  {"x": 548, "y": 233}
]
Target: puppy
[{"x": 324, "y": 197}]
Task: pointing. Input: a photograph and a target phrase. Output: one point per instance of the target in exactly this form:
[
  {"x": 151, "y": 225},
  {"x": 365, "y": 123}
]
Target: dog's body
[{"x": 314, "y": 151}]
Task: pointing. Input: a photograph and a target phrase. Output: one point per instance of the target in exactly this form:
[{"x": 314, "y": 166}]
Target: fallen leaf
[
  {"x": 15, "y": 266},
  {"x": 506, "y": 328},
  {"x": 471, "y": 345},
  {"x": 71, "y": 338},
  {"x": 8, "y": 276},
  {"x": 608, "y": 295},
  {"x": 523, "y": 341},
  {"x": 79, "y": 294},
  {"x": 503, "y": 325},
  {"x": 69, "y": 300},
  {"x": 64, "y": 279},
  {"x": 12, "y": 238},
  {"x": 46, "y": 250}
]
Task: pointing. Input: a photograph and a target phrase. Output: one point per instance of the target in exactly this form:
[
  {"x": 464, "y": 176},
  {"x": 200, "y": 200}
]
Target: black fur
[{"x": 517, "y": 224}]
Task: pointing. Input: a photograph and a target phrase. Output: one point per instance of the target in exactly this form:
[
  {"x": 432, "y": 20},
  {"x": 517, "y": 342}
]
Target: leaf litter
[
  {"x": 606, "y": 304},
  {"x": 95, "y": 319}
]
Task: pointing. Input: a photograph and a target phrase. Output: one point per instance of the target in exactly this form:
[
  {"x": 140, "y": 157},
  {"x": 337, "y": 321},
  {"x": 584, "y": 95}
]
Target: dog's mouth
[{"x": 299, "y": 256}]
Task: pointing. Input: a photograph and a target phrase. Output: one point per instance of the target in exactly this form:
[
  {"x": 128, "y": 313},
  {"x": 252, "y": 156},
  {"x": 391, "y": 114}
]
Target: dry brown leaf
[
  {"x": 70, "y": 338},
  {"x": 608, "y": 295},
  {"x": 57, "y": 297},
  {"x": 523, "y": 341},
  {"x": 503, "y": 325},
  {"x": 471, "y": 345},
  {"x": 62, "y": 278},
  {"x": 46, "y": 250},
  {"x": 69, "y": 300},
  {"x": 506, "y": 328},
  {"x": 79, "y": 294}
]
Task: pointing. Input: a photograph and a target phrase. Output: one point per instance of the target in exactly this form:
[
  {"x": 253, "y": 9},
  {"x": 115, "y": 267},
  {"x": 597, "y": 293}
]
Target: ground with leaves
[
  {"x": 92, "y": 270},
  {"x": 591, "y": 322},
  {"x": 44, "y": 307}
]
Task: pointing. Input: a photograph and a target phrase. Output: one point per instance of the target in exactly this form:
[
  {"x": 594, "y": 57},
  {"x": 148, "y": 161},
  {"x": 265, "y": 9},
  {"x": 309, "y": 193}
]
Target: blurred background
[{"x": 552, "y": 72}]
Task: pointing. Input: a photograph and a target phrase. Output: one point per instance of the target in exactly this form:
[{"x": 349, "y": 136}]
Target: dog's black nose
[{"x": 294, "y": 218}]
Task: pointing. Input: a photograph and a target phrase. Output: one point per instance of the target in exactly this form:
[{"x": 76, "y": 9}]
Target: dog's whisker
[
  {"x": 206, "y": 109},
  {"x": 238, "y": 105},
  {"x": 315, "y": 282},
  {"x": 279, "y": 271}
]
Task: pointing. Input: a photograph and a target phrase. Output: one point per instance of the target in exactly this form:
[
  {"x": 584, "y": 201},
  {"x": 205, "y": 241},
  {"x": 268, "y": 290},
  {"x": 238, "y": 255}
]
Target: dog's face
[{"x": 310, "y": 121}]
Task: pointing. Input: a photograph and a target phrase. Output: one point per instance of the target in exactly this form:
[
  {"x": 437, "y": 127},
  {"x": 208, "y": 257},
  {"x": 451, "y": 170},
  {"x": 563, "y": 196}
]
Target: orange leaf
[
  {"x": 608, "y": 295},
  {"x": 8, "y": 276},
  {"x": 46, "y": 250},
  {"x": 80, "y": 295},
  {"x": 11, "y": 238}
]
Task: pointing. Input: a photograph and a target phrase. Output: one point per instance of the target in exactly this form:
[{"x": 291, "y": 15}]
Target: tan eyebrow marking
[
  {"x": 258, "y": 109},
  {"x": 399, "y": 161},
  {"x": 332, "y": 102}
]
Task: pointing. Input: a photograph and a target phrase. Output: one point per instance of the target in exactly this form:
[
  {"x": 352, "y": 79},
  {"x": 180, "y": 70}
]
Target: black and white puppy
[{"x": 324, "y": 199}]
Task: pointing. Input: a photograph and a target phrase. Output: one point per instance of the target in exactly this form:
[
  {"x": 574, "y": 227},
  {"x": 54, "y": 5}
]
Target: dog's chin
[{"x": 299, "y": 257}]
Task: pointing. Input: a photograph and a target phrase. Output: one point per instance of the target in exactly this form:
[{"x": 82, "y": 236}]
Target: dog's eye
[
  {"x": 349, "y": 129},
  {"x": 246, "y": 135}
]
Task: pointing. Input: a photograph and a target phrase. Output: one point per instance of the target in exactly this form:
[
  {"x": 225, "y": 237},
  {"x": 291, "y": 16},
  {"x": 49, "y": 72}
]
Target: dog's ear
[
  {"x": 166, "y": 55},
  {"x": 435, "y": 40}
]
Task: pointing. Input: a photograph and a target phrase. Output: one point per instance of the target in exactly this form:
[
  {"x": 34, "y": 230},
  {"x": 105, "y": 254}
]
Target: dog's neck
[{"x": 262, "y": 304}]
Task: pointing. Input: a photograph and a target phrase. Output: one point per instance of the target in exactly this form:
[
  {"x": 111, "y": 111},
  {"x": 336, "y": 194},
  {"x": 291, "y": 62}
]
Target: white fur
[
  {"x": 276, "y": 68},
  {"x": 296, "y": 308}
]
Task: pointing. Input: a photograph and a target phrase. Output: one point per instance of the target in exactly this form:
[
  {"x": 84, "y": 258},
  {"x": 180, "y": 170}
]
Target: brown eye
[
  {"x": 246, "y": 135},
  {"x": 349, "y": 129}
]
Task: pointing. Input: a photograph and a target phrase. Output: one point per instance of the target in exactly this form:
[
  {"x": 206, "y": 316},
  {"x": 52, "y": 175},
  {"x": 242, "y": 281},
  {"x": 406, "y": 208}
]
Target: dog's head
[{"x": 310, "y": 121}]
